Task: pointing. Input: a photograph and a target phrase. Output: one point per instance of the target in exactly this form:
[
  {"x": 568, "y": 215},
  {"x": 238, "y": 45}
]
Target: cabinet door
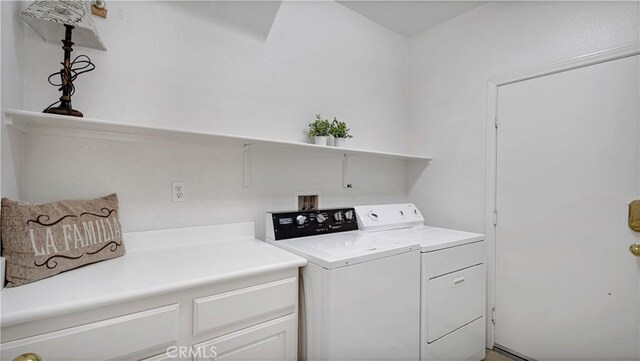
[
  {"x": 235, "y": 310},
  {"x": 273, "y": 340},
  {"x": 115, "y": 338},
  {"x": 161, "y": 357}
]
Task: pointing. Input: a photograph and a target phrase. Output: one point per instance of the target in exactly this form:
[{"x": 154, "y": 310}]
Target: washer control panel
[
  {"x": 285, "y": 225},
  {"x": 388, "y": 216}
]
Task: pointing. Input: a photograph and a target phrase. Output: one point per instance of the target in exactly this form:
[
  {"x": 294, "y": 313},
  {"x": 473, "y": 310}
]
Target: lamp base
[{"x": 64, "y": 111}]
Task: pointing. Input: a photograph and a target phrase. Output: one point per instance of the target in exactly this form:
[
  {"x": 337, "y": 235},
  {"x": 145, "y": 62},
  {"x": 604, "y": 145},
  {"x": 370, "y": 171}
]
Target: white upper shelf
[{"x": 42, "y": 123}]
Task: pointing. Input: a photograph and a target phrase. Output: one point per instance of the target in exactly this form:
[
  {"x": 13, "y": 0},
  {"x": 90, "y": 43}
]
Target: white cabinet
[
  {"x": 108, "y": 339},
  {"x": 252, "y": 318},
  {"x": 161, "y": 357},
  {"x": 273, "y": 340},
  {"x": 245, "y": 307}
]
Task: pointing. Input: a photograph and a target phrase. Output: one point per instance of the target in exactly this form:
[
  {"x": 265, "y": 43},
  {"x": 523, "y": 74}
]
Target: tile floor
[{"x": 494, "y": 356}]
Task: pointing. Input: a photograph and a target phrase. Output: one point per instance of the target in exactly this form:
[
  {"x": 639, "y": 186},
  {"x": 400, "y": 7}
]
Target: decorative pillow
[{"x": 39, "y": 241}]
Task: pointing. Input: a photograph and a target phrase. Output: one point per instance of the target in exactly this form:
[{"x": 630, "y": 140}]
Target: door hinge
[
  {"x": 495, "y": 218},
  {"x": 493, "y": 315},
  {"x": 495, "y": 121}
]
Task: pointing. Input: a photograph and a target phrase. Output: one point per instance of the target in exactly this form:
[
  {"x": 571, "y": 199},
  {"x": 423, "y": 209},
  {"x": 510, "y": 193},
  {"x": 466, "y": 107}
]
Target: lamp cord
[{"x": 69, "y": 75}]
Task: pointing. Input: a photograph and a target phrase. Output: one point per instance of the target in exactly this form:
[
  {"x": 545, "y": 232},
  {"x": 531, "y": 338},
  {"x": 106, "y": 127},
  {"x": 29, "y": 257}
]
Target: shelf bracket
[
  {"x": 246, "y": 166},
  {"x": 345, "y": 172}
]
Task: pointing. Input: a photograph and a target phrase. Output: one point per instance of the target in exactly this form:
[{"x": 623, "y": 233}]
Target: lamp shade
[{"x": 48, "y": 18}]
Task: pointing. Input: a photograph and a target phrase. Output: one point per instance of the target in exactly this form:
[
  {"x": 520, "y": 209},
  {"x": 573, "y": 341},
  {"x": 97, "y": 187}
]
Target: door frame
[{"x": 493, "y": 85}]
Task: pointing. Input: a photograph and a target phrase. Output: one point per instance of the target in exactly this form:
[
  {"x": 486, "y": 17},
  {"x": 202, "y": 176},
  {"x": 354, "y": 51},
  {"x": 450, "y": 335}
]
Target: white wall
[
  {"x": 166, "y": 66},
  {"x": 141, "y": 174},
  {"x": 194, "y": 73},
  {"x": 450, "y": 66},
  {"x": 12, "y": 91}
]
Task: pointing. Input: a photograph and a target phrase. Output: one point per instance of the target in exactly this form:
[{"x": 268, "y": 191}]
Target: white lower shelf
[{"x": 41, "y": 123}]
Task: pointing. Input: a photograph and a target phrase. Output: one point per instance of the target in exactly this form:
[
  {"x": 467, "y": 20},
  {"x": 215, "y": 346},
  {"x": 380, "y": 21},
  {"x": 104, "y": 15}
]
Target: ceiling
[
  {"x": 409, "y": 18},
  {"x": 252, "y": 17},
  {"x": 255, "y": 17}
]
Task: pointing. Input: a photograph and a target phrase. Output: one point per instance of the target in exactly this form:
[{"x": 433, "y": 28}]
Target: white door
[{"x": 568, "y": 148}]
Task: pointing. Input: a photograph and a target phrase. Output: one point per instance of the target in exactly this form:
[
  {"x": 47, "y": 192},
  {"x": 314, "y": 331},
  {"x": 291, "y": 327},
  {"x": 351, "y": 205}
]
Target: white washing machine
[
  {"x": 453, "y": 281},
  {"x": 360, "y": 293}
]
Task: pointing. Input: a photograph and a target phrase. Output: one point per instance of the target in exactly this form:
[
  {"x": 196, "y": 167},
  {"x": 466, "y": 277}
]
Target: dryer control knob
[
  {"x": 337, "y": 216},
  {"x": 320, "y": 218},
  {"x": 301, "y": 219}
]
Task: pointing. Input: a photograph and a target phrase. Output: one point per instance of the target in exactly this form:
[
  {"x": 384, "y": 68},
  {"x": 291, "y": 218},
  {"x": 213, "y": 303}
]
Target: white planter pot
[
  {"x": 330, "y": 141},
  {"x": 340, "y": 142},
  {"x": 320, "y": 140}
]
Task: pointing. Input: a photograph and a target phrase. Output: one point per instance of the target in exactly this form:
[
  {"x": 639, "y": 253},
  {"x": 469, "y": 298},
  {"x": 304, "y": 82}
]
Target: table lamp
[{"x": 54, "y": 19}]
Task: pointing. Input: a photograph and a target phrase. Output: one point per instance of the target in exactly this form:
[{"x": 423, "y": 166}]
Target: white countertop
[{"x": 156, "y": 262}]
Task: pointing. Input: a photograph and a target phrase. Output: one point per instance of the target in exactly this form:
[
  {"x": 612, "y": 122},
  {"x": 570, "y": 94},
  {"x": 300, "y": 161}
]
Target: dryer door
[{"x": 454, "y": 300}]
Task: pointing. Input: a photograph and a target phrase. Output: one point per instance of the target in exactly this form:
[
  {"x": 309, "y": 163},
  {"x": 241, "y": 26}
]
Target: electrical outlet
[{"x": 179, "y": 191}]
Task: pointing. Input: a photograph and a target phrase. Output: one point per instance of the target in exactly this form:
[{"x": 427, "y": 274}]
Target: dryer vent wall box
[{"x": 308, "y": 202}]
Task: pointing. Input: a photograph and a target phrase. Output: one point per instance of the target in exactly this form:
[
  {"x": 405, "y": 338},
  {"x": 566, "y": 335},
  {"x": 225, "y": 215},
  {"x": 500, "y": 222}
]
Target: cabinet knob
[{"x": 28, "y": 357}]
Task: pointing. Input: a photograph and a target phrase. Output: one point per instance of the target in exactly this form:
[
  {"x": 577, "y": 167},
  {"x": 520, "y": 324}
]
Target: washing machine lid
[
  {"x": 332, "y": 251},
  {"x": 432, "y": 238}
]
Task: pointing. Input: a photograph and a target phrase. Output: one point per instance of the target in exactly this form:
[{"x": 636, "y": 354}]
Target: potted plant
[
  {"x": 319, "y": 130},
  {"x": 340, "y": 132}
]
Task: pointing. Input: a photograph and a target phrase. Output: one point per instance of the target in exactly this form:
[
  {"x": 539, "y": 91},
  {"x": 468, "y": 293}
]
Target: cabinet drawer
[
  {"x": 118, "y": 337},
  {"x": 272, "y": 340},
  {"x": 244, "y": 307},
  {"x": 447, "y": 260},
  {"x": 167, "y": 355},
  {"x": 454, "y": 300}
]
